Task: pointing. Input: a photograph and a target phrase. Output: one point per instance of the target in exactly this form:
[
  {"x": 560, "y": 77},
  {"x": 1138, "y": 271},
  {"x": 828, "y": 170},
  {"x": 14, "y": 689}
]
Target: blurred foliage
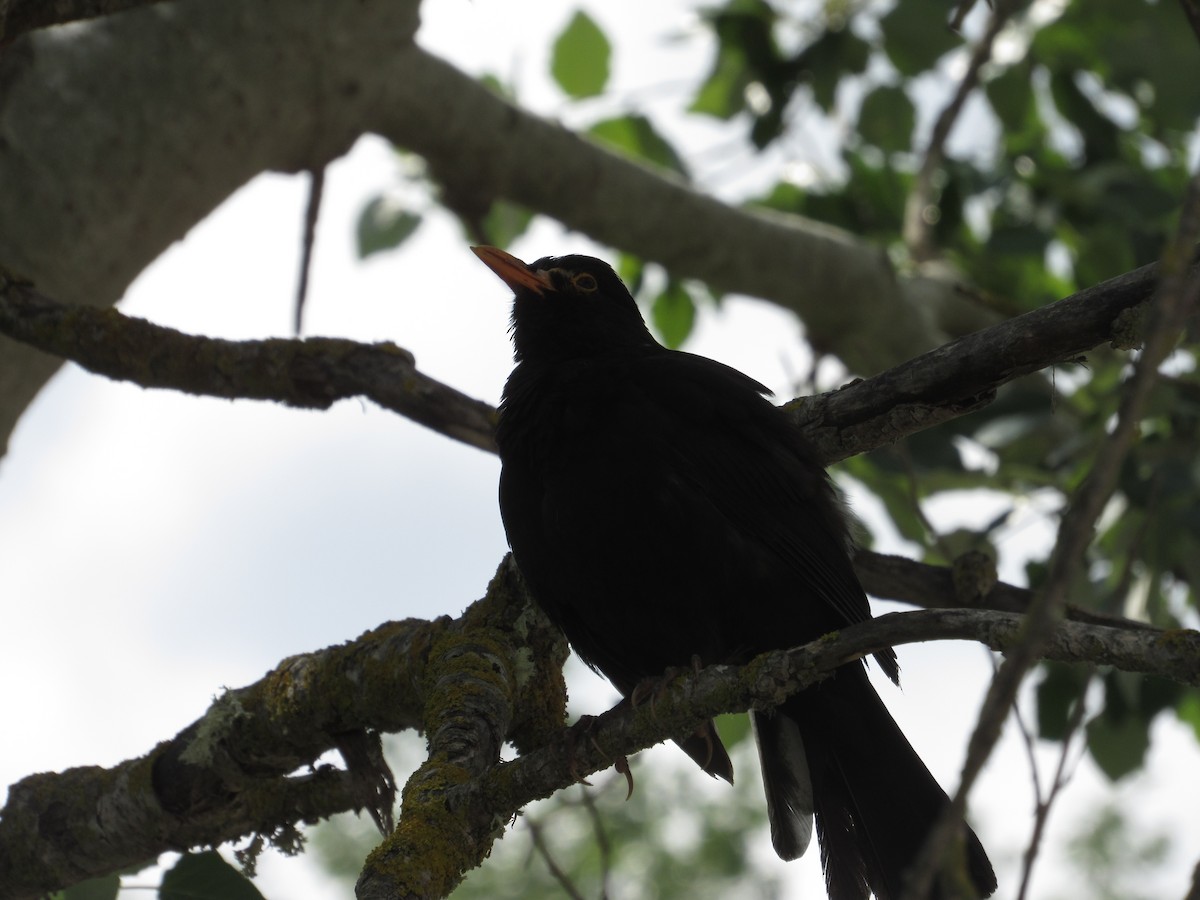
[
  {"x": 1111, "y": 857},
  {"x": 605, "y": 845},
  {"x": 579, "y": 58},
  {"x": 1066, "y": 168},
  {"x": 106, "y": 887},
  {"x": 206, "y": 876}
]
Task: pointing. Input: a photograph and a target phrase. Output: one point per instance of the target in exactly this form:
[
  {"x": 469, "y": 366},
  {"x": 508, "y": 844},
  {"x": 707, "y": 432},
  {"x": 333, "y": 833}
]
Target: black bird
[{"x": 663, "y": 511}]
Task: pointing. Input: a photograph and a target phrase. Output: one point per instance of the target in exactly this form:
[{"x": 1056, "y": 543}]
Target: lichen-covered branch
[
  {"x": 963, "y": 375},
  {"x": 228, "y": 774},
  {"x": 471, "y": 683},
  {"x": 925, "y": 391},
  {"x": 770, "y": 678},
  {"x": 890, "y": 577},
  {"x": 313, "y": 373}
]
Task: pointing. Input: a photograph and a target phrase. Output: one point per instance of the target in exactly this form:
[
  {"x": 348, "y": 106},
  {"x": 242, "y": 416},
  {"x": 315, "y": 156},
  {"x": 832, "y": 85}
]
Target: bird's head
[{"x": 568, "y": 307}]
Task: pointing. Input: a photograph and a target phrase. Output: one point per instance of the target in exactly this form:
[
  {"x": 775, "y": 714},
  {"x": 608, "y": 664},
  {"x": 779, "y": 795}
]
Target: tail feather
[
  {"x": 706, "y": 749},
  {"x": 874, "y": 800},
  {"x": 787, "y": 782}
]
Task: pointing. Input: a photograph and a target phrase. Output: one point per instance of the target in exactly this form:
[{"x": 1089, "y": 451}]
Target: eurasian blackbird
[{"x": 664, "y": 512}]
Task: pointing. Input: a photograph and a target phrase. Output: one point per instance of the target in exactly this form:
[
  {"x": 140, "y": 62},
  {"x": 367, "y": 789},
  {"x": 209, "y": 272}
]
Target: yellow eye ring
[{"x": 585, "y": 282}]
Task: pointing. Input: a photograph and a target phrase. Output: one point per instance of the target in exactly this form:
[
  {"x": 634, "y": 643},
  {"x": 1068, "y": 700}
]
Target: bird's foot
[
  {"x": 622, "y": 766},
  {"x": 583, "y": 729},
  {"x": 656, "y": 685}
]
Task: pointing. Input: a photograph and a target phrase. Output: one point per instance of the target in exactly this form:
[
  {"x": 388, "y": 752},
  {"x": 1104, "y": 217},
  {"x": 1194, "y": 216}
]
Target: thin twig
[
  {"x": 1176, "y": 299},
  {"x": 1026, "y": 738},
  {"x": 1061, "y": 778},
  {"x": 960, "y": 15},
  {"x": 603, "y": 844},
  {"x": 539, "y": 843},
  {"x": 1191, "y": 10},
  {"x": 316, "y": 190},
  {"x": 917, "y": 230}
]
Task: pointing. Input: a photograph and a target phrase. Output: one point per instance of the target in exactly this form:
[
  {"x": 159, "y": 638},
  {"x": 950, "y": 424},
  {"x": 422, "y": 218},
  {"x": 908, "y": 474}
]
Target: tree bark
[{"x": 117, "y": 135}]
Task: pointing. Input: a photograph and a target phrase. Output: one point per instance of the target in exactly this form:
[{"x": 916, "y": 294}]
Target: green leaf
[
  {"x": 580, "y": 58},
  {"x": 631, "y": 269},
  {"x": 879, "y": 477},
  {"x": 673, "y": 314},
  {"x": 636, "y": 136},
  {"x": 206, "y": 876},
  {"x": 733, "y": 728},
  {"x": 505, "y": 222},
  {"x": 915, "y": 35},
  {"x": 1118, "y": 745},
  {"x": 1188, "y": 710},
  {"x": 1011, "y": 97},
  {"x": 384, "y": 225},
  {"x": 722, "y": 95},
  {"x": 498, "y": 87},
  {"x": 1058, "y": 690},
  {"x": 106, "y": 887},
  {"x": 887, "y": 118},
  {"x": 828, "y": 60}
]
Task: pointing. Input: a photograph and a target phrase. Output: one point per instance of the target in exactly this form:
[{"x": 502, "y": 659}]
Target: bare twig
[
  {"x": 1061, "y": 777},
  {"x": 539, "y": 845},
  {"x": 316, "y": 190},
  {"x": 917, "y": 228},
  {"x": 961, "y": 11},
  {"x": 602, "y": 842},
  {"x": 1177, "y": 297},
  {"x": 1191, "y": 10}
]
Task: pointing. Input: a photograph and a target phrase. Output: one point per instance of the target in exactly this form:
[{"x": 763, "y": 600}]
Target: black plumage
[{"x": 662, "y": 511}]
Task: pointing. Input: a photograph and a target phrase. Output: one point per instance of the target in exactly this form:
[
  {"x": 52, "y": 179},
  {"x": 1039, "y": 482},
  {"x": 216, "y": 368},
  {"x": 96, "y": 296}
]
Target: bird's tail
[{"x": 873, "y": 799}]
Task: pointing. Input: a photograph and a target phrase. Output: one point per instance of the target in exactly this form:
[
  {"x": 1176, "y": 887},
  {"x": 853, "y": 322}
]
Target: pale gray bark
[{"x": 119, "y": 134}]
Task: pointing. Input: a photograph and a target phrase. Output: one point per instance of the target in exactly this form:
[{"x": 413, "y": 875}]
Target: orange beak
[{"x": 512, "y": 271}]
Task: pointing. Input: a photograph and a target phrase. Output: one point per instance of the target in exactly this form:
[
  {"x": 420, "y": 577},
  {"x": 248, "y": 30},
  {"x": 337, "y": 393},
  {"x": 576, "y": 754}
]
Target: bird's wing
[
  {"x": 663, "y": 509},
  {"x": 755, "y": 467}
]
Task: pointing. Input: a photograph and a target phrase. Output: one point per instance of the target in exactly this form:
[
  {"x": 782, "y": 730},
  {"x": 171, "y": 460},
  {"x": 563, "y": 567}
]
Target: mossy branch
[
  {"x": 471, "y": 683},
  {"x": 229, "y": 774},
  {"x": 502, "y": 791}
]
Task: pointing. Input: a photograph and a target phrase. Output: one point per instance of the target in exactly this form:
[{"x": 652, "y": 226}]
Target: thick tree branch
[
  {"x": 932, "y": 587},
  {"x": 925, "y": 391},
  {"x": 227, "y": 774},
  {"x": 765, "y": 682},
  {"x": 311, "y": 374},
  {"x": 468, "y": 683},
  {"x": 221, "y": 90},
  {"x": 964, "y": 374},
  {"x": 20, "y": 16},
  {"x": 316, "y": 372}
]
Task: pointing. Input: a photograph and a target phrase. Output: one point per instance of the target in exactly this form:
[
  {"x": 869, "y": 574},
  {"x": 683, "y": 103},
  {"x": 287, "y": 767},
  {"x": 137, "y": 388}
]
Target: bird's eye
[{"x": 585, "y": 282}]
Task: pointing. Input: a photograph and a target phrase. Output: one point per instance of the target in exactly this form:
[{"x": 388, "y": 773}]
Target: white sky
[{"x": 155, "y": 548}]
